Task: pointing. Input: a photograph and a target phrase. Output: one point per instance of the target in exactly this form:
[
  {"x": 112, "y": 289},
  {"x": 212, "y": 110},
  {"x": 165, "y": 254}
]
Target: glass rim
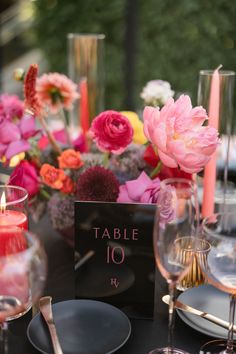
[
  {"x": 173, "y": 180},
  {"x": 221, "y": 72},
  {"x": 212, "y": 232},
  {"x": 17, "y": 230},
  {"x": 16, "y": 201},
  {"x": 91, "y": 35},
  {"x": 193, "y": 249}
]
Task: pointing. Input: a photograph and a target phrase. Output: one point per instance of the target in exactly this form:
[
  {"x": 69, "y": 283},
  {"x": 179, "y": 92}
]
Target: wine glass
[
  {"x": 174, "y": 231},
  {"x": 220, "y": 231},
  {"x": 22, "y": 275}
]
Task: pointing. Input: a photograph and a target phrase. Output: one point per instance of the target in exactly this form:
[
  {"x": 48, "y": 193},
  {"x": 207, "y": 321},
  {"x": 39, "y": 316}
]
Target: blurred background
[{"x": 145, "y": 40}]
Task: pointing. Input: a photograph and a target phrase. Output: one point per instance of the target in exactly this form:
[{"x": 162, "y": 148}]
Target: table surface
[{"x": 146, "y": 334}]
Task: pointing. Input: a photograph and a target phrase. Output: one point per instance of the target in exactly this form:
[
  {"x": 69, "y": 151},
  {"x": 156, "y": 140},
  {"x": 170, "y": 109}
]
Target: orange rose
[
  {"x": 68, "y": 186},
  {"x": 52, "y": 176},
  {"x": 70, "y": 159}
]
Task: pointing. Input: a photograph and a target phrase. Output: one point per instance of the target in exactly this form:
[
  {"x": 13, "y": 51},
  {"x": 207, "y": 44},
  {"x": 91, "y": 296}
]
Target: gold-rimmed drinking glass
[{"x": 197, "y": 250}]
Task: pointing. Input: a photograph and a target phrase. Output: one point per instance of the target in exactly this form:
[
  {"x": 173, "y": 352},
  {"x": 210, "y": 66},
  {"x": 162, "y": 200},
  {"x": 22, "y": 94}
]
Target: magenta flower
[
  {"x": 79, "y": 143},
  {"x": 112, "y": 132},
  {"x": 25, "y": 175},
  {"x": 178, "y": 133},
  {"x": 148, "y": 191},
  {"x": 14, "y": 136},
  {"x": 140, "y": 190},
  {"x": 11, "y": 107}
]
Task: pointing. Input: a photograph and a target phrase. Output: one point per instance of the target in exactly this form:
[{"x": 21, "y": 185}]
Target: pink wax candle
[
  {"x": 11, "y": 242},
  {"x": 14, "y": 279},
  {"x": 84, "y": 107},
  {"x": 13, "y": 218},
  {"x": 209, "y": 181}
]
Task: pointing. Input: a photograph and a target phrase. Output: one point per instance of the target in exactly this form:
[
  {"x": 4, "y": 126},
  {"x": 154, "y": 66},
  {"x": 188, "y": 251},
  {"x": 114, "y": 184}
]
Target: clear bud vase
[
  {"x": 215, "y": 94},
  {"x": 86, "y": 68}
]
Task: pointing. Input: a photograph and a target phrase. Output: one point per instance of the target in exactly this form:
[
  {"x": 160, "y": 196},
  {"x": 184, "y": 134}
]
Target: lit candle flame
[{"x": 3, "y": 203}]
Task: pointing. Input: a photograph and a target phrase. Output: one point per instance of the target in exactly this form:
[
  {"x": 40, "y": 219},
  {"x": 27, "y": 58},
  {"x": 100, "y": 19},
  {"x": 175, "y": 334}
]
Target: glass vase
[
  {"x": 86, "y": 68},
  {"x": 215, "y": 94}
]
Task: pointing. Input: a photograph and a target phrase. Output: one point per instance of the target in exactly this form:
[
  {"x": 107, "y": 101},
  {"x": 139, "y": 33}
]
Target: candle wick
[{"x": 219, "y": 67}]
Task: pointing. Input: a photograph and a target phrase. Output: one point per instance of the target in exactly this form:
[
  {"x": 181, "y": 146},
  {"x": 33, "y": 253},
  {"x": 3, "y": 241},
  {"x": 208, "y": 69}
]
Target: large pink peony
[
  {"x": 178, "y": 133},
  {"x": 25, "y": 175},
  {"x": 112, "y": 132}
]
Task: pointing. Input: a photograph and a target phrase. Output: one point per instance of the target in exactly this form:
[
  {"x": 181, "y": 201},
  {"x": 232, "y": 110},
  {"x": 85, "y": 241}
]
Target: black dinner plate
[{"x": 83, "y": 326}]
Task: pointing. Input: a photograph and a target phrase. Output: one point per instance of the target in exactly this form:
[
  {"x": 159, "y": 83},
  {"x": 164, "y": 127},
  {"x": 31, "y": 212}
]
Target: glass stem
[
  {"x": 4, "y": 338},
  {"x": 171, "y": 316},
  {"x": 230, "y": 341}
]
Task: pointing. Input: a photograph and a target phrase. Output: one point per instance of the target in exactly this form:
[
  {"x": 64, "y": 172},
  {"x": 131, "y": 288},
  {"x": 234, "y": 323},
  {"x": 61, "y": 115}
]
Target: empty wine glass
[
  {"x": 174, "y": 230},
  {"x": 220, "y": 231},
  {"x": 22, "y": 275}
]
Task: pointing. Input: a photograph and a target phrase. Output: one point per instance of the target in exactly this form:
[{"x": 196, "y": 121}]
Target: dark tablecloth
[{"x": 146, "y": 334}]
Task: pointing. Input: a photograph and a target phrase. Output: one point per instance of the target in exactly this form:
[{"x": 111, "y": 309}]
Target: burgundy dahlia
[{"x": 97, "y": 184}]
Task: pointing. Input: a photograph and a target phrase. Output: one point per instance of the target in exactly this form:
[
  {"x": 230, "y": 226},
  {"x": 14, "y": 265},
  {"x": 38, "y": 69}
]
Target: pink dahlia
[
  {"x": 112, "y": 132},
  {"x": 178, "y": 133},
  {"x": 56, "y": 91},
  {"x": 97, "y": 184}
]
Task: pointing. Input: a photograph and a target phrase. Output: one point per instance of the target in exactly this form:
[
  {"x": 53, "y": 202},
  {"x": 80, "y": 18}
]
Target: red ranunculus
[{"x": 112, "y": 132}]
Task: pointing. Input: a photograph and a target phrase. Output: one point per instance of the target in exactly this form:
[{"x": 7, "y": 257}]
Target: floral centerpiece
[{"x": 121, "y": 159}]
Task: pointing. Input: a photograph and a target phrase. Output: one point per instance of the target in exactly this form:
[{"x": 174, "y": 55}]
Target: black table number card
[{"x": 116, "y": 264}]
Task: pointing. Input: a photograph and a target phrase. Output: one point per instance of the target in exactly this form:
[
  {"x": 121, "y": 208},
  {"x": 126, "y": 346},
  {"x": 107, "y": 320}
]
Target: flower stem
[
  {"x": 106, "y": 159},
  {"x": 45, "y": 194},
  {"x": 51, "y": 138},
  {"x": 156, "y": 170},
  {"x": 65, "y": 121}
]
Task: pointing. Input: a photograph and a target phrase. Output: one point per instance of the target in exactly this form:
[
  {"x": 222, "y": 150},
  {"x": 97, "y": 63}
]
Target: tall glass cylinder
[
  {"x": 215, "y": 94},
  {"x": 86, "y": 68}
]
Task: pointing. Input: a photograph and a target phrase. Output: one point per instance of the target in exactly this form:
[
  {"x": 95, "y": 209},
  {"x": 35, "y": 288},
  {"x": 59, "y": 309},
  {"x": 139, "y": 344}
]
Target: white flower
[{"x": 156, "y": 92}]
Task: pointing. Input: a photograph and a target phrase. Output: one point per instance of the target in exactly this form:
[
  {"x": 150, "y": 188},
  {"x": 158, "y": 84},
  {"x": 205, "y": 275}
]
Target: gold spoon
[{"x": 45, "y": 306}]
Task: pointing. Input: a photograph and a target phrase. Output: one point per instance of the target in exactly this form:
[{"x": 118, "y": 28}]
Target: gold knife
[
  {"x": 45, "y": 306},
  {"x": 207, "y": 316}
]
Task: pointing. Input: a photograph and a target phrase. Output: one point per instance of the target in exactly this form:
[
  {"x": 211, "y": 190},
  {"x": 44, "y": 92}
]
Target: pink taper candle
[
  {"x": 84, "y": 107},
  {"x": 209, "y": 182}
]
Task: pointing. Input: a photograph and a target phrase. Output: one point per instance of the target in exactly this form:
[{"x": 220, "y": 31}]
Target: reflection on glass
[
  {"x": 22, "y": 276},
  {"x": 175, "y": 228},
  {"x": 220, "y": 231}
]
